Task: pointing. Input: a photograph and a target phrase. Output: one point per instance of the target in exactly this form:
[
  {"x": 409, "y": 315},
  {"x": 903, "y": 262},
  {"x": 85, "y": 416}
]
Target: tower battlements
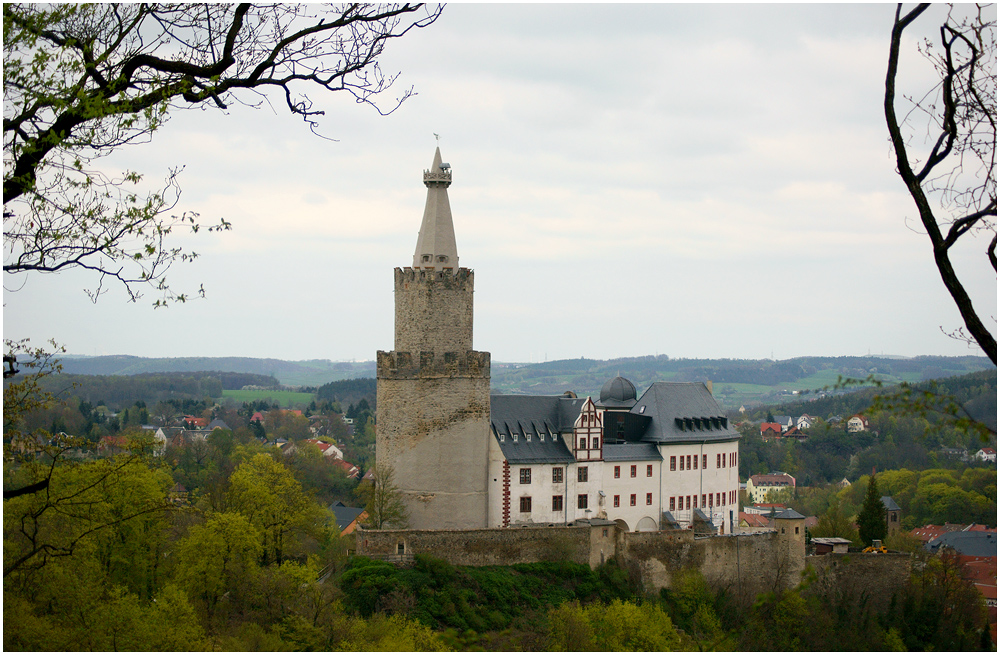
[
  {"x": 405, "y": 366},
  {"x": 447, "y": 276}
]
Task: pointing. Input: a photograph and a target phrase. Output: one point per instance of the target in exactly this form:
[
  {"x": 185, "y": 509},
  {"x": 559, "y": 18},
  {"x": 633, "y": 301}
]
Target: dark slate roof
[
  {"x": 345, "y": 515},
  {"x": 690, "y": 402},
  {"x": 890, "y": 504},
  {"x": 536, "y": 451},
  {"x": 617, "y": 392},
  {"x": 972, "y": 544},
  {"x": 789, "y": 514},
  {"x": 533, "y": 414},
  {"x": 626, "y": 452}
]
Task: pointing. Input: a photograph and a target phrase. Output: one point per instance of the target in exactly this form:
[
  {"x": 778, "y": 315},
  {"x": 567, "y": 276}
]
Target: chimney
[{"x": 708, "y": 385}]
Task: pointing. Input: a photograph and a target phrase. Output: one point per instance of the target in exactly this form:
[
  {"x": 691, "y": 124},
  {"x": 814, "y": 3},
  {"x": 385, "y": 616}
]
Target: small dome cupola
[{"x": 618, "y": 392}]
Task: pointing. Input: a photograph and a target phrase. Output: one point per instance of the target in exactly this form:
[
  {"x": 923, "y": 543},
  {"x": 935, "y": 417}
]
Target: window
[
  {"x": 527, "y": 436},
  {"x": 581, "y": 474},
  {"x": 604, "y": 532},
  {"x": 515, "y": 437},
  {"x": 525, "y": 476},
  {"x": 541, "y": 436},
  {"x": 631, "y": 500},
  {"x": 597, "y": 443},
  {"x": 689, "y": 462},
  {"x": 525, "y": 504},
  {"x": 687, "y": 502},
  {"x": 617, "y": 500},
  {"x": 649, "y": 499},
  {"x": 703, "y": 500},
  {"x": 718, "y": 460},
  {"x": 695, "y": 503},
  {"x": 632, "y": 471},
  {"x": 695, "y": 461},
  {"x": 671, "y": 503},
  {"x": 649, "y": 470},
  {"x": 581, "y": 501},
  {"x": 557, "y": 474},
  {"x": 425, "y": 258},
  {"x": 618, "y": 471},
  {"x": 704, "y": 461},
  {"x": 557, "y": 504},
  {"x": 796, "y": 529},
  {"x": 442, "y": 258},
  {"x": 718, "y": 499},
  {"x": 502, "y": 438},
  {"x": 711, "y": 500},
  {"x": 673, "y": 462},
  {"x": 583, "y": 443}
]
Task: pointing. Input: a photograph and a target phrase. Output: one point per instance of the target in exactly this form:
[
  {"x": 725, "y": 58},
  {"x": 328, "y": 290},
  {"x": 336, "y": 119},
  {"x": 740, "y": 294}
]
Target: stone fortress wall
[{"x": 744, "y": 564}]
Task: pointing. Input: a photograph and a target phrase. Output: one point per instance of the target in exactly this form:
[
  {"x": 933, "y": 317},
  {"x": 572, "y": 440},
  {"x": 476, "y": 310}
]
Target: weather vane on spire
[{"x": 437, "y": 137}]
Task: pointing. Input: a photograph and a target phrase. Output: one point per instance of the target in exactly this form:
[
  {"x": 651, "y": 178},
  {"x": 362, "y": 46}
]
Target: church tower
[{"x": 433, "y": 393}]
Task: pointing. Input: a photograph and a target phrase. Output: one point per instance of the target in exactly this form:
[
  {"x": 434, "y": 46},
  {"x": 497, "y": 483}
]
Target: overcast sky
[{"x": 689, "y": 180}]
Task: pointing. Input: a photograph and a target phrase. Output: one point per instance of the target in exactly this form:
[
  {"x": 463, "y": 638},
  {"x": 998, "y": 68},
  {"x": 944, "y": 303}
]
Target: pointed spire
[{"x": 436, "y": 249}]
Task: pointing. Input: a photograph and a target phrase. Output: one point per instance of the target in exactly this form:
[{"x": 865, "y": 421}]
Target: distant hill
[
  {"x": 308, "y": 373},
  {"x": 736, "y": 382}
]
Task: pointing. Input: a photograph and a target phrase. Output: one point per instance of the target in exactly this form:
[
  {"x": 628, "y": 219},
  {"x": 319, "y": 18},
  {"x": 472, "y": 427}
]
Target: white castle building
[{"x": 465, "y": 459}]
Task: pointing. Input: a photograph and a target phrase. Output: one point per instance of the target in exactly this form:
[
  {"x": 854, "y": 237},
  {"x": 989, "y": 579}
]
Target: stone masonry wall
[
  {"x": 744, "y": 564},
  {"x": 433, "y": 310},
  {"x": 434, "y": 433},
  {"x": 863, "y": 577},
  {"x": 492, "y": 546}
]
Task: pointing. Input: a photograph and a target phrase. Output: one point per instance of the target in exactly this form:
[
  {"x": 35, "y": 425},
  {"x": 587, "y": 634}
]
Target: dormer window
[
  {"x": 442, "y": 259},
  {"x": 425, "y": 258},
  {"x": 527, "y": 437},
  {"x": 515, "y": 438},
  {"x": 502, "y": 438}
]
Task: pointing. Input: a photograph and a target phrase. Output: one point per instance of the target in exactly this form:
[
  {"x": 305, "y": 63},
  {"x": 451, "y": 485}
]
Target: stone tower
[{"x": 433, "y": 389}]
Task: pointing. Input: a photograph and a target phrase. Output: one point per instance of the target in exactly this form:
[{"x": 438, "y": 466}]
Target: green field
[{"x": 286, "y": 399}]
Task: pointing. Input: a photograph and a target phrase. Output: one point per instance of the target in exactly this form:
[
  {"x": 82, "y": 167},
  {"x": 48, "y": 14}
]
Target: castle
[{"x": 466, "y": 460}]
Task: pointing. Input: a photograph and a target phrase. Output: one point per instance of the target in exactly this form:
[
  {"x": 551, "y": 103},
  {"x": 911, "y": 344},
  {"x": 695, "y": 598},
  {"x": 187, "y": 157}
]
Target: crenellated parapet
[
  {"x": 447, "y": 278},
  {"x": 424, "y": 365}
]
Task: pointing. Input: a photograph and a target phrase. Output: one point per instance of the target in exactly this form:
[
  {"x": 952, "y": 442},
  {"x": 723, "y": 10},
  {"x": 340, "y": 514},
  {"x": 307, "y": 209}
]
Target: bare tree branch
[{"x": 964, "y": 147}]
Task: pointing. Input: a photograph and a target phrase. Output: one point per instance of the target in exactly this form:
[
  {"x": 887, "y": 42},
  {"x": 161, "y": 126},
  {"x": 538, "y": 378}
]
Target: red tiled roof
[
  {"x": 754, "y": 520},
  {"x": 350, "y": 469},
  {"x": 928, "y": 532}
]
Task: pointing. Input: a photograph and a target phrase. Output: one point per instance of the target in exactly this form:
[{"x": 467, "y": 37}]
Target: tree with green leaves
[
  {"x": 83, "y": 80},
  {"x": 871, "y": 518},
  {"x": 268, "y": 495},
  {"x": 383, "y": 500}
]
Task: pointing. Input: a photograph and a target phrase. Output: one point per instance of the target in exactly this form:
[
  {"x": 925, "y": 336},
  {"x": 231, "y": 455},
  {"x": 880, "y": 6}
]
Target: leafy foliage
[{"x": 81, "y": 81}]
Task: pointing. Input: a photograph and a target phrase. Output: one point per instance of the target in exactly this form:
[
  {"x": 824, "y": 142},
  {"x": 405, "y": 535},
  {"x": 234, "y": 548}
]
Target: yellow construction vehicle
[{"x": 876, "y": 547}]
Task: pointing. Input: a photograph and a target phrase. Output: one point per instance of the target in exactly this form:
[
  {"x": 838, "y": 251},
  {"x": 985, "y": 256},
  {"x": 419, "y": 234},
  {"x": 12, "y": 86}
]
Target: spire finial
[{"x": 437, "y": 137}]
